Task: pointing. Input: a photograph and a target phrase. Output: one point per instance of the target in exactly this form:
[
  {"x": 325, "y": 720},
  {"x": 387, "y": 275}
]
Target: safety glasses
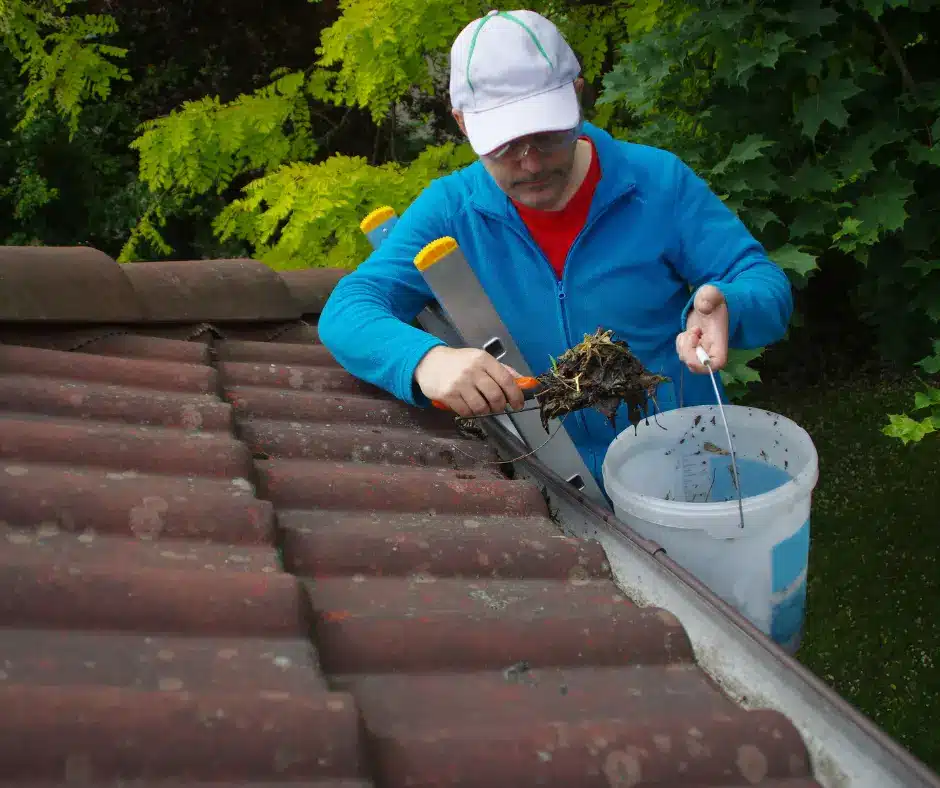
[{"x": 545, "y": 142}]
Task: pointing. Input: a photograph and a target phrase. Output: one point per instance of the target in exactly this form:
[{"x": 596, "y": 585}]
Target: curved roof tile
[
  {"x": 211, "y": 290},
  {"x": 64, "y": 284}
]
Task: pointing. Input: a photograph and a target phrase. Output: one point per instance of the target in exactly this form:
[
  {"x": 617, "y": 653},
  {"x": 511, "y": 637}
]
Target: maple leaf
[
  {"x": 792, "y": 258},
  {"x": 857, "y": 159},
  {"x": 826, "y": 105},
  {"x": 926, "y": 399},
  {"x": 759, "y": 181},
  {"x": 851, "y": 235},
  {"x": 907, "y": 430},
  {"x": 766, "y": 55},
  {"x": 811, "y": 221},
  {"x": 809, "y": 18},
  {"x": 815, "y": 56},
  {"x": 749, "y": 148},
  {"x": 924, "y": 267},
  {"x": 876, "y": 7},
  {"x": 809, "y": 178},
  {"x": 884, "y": 210},
  {"x": 921, "y": 154},
  {"x": 760, "y": 217},
  {"x": 931, "y": 364}
]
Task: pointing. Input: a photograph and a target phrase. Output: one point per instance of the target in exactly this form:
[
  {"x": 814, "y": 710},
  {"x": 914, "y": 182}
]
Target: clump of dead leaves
[{"x": 598, "y": 373}]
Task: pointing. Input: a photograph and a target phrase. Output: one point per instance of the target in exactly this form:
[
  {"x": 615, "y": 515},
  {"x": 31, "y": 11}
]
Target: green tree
[
  {"x": 62, "y": 54},
  {"x": 295, "y": 206},
  {"x": 817, "y": 123}
]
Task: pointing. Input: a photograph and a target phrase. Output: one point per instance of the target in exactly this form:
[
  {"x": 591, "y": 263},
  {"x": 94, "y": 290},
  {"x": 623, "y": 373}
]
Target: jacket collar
[{"x": 617, "y": 178}]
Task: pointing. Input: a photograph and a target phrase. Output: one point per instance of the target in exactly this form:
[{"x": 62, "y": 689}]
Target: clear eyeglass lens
[{"x": 547, "y": 142}]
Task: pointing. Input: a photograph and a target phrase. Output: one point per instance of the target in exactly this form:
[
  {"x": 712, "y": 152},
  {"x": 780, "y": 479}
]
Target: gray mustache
[{"x": 541, "y": 177}]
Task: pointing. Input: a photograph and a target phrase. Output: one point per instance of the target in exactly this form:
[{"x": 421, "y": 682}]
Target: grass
[{"x": 873, "y": 610}]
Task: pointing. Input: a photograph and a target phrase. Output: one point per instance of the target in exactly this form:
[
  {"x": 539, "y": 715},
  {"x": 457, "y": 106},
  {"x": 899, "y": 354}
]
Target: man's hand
[
  {"x": 469, "y": 381},
  {"x": 707, "y": 325}
]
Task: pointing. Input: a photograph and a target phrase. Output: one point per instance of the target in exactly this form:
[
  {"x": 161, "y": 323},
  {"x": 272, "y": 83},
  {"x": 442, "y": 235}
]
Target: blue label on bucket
[{"x": 788, "y": 564}]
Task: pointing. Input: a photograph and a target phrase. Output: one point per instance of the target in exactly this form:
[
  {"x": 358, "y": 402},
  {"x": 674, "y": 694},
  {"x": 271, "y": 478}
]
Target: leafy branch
[
  {"x": 911, "y": 430},
  {"x": 301, "y": 215},
  {"x": 62, "y": 56}
]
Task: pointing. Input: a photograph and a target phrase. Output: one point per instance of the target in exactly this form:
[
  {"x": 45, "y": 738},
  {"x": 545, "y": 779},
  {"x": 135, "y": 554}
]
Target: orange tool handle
[{"x": 524, "y": 383}]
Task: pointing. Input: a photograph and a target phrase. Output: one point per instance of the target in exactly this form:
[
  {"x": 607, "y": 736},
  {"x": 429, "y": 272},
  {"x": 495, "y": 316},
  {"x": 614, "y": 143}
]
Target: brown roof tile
[
  {"x": 81, "y": 734},
  {"x": 64, "y": 285},
  {"x": 224, "y": 560},
  {"x": 195, "y": 377},
  {"x": 310, "y": 287},
  {"x": 211, "y": 290},
  {"x": 149, "y": 348}
]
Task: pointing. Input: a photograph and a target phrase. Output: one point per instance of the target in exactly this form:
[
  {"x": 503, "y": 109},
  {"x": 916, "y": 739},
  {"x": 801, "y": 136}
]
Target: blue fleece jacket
[{"x": 655, "y": 232}]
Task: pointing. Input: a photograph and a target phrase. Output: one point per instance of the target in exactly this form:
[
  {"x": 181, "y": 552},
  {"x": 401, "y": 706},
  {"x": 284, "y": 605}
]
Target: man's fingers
[
  {"x": 458, "y": 405},
  {"x": 685, "y": 347},
  {"x": 718, "y": 356},
  {"x": 505, "y": 377},
  {"x": 475, "y": 402},
  {"x": 708, "y": 299},
  {"x": 492, "y": 392}
]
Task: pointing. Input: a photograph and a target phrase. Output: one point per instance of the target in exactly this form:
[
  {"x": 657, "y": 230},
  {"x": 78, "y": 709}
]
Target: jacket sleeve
[
  {"x": 365, "y": 321},
  {"x": 714, "y": 247}
]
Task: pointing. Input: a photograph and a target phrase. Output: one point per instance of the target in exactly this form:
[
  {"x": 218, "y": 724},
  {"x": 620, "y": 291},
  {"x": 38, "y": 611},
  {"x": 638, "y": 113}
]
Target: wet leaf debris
[{"x": 598, "y": 373}]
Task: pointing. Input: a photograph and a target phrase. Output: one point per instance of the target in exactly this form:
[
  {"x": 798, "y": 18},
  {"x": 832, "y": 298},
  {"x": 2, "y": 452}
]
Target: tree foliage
[
  {"x": 910, "y": 429},
  {"x": 293, "y": 207},
  {"x": 818, "y": 123},
  {"x": 62, "y": 54},
  {"x": 281, "y": 213}
]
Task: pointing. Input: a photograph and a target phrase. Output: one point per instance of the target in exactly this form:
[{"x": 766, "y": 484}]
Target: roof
[{"x": 223, "y": 559}]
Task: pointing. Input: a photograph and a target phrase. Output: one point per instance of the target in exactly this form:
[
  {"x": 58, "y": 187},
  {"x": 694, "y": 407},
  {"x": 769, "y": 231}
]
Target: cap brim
[{"x": 553, "y": 110}]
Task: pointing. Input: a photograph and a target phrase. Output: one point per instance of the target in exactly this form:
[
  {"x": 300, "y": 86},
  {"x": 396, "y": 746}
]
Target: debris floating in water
[{"x": 601, "y": 373}]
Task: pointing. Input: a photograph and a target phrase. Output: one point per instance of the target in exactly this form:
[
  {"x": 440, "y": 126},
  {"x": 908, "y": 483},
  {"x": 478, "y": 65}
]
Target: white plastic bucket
[{"x": 675, "y": 486}]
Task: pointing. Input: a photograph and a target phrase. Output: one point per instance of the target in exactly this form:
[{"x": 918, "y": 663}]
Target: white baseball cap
[{"x": 512, "y": 74}]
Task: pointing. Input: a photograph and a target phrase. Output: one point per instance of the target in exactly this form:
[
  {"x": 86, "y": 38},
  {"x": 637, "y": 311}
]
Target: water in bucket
[{"x": 676, "y": 486}]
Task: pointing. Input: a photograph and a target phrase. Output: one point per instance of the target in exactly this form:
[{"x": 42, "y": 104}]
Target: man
[{"x": 567, "y": 230}]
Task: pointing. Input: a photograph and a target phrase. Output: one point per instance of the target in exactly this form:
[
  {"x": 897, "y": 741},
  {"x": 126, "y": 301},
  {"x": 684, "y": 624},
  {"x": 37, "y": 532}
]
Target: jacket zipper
[
  {"x": 560, "y": 283},
  {"x": 561, "y": 291}
]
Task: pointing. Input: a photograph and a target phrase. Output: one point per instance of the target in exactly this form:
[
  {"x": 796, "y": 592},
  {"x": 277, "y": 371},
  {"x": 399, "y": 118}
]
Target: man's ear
[
  {"x": 458, "y": 116},
  {"x": 579, "y": 86}
]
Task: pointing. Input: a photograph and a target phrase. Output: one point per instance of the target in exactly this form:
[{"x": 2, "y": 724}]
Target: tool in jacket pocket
[{"x": 531, "y": 387}]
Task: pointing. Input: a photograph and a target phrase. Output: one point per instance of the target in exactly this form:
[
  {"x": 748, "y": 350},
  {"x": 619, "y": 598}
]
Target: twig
[
  {"x": 514, "y": 459},
  {"x": 501, "y": 413},
  {"x": 906, "y": 78},
  {"x": 656, "y": 403},
  {"x": 378, "y": 140},
  {"x": 328, "y": 135}
]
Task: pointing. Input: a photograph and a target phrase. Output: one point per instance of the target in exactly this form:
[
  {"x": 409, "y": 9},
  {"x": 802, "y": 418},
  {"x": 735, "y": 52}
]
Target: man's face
[{"x": 535, "y": 170}]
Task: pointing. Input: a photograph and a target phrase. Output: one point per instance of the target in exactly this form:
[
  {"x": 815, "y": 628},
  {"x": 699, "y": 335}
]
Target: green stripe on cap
[
  {"x": 473, "y": 44},
  {"x": 535, "y": 38},
  {"x": 511, "y": 18}
]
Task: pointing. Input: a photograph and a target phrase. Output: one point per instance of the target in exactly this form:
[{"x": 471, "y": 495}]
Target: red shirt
[{"x": 555, "y": 231}]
